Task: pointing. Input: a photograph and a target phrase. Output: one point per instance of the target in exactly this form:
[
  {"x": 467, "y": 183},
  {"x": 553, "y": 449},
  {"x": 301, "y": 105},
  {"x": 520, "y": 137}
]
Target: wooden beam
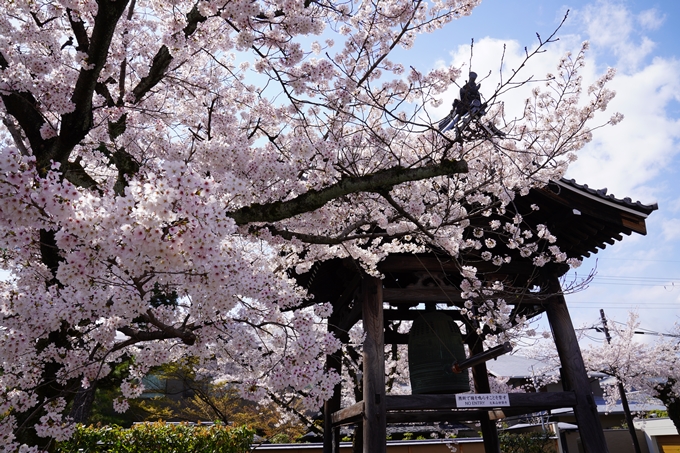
[
  {"x": 460, "y": 415},
  {"x": 413, "y": 263},
  {"x": 432, "y": 408},
  {"x": 358, "y": 441},
  {"x": 545, "y": 400},
  {"x": 574, "y": 371},
  {"x": 411, "y": 295},
  {"x": 397, "y": 296},
  {"x": 350, "y": 414},
  {"x": 411, "y": 315},
  {"x": 454, "y": 415},
  {"x": 392, "y": 337},
  {"x": 633, "y": 223},
  {"x": 374, "y": 420}
]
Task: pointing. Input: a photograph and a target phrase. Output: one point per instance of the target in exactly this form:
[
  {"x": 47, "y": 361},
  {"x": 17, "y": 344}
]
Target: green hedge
[
  {"x": 538, "y": 442},
  {"x": 159, "y": 438}
]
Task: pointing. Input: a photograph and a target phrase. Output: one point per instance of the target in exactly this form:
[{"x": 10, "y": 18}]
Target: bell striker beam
[
  {"x": 574, "y": 370},
  {"x": 374, "y": 419}
]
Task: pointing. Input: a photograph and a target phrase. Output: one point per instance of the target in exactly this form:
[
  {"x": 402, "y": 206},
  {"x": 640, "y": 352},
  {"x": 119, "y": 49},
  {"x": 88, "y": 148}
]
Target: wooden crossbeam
[
  {"x": 350, "y": 414},
  {"x": 414, "y": 263},
  {"x": 410, "y": 295},
  {"x": 454, "y": 415},
  {"x": 545, "y": 400},
  {"x": 394, "y": 315},
  {"x": 450, "y": 295},
  {"x": 431, "y": 408}
]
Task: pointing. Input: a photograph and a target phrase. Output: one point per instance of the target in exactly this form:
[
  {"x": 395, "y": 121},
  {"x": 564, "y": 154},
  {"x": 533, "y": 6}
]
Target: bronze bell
[{"x": 434, "y": 344}]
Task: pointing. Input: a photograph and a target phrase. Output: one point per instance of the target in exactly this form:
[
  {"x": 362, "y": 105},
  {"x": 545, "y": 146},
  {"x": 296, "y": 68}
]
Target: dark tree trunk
[
  {"x": 82, "y": 404},
  {"x": 668, "y": 397}
]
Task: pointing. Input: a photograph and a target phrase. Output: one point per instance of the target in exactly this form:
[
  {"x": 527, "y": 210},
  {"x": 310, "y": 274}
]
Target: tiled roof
[{"x": 602, "y": 193}]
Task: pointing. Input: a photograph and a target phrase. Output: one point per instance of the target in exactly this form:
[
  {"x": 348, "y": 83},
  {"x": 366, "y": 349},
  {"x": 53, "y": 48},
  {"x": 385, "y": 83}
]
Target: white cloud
[
  {"x": 606, "y": 23},
  {"x": 673, "y": 206},
  {"x": 630, "y": 159},
  {"x": 651, "y": 19},
  {"x": 614, "y": 30},
  {"x": 496, "y": 60},
  {"x": 671, "y": 229},
  {"x": 634, "y": 159},
  {"x": 627, "y": 158}
]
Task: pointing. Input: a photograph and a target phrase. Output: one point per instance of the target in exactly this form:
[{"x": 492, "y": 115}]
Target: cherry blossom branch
[
  {"x": 79, "y": 31},
  {"x": 23, "y": 106},
  {"x": 162, "y": 59},
  {"x": 405, "y": 214},
  {"x": 314, "y": 199},
  {"x": 166, "y": 332},
  {"x": 325, "y": 240},
  {"x": 306, "y": 420},
  {"x": 76, "y": 124},
  {"x": 504, "y": 86},
  {"x": 16, "y": 136}
]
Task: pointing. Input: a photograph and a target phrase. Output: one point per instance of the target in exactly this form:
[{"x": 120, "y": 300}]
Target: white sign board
[{"x": 482, "y": 400}]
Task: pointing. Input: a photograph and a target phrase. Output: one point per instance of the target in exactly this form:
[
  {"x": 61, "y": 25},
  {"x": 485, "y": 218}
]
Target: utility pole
[{"x": 622, "y": 390}]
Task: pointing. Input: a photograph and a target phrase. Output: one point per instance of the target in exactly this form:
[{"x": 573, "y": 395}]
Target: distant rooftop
[{"x": 517, "y": 366}]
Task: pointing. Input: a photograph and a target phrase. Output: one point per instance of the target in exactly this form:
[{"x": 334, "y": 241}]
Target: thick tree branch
[
  {"x": 16, "y": 136},
  {"x": 314, "y": 199},
  {"x": 24, "y": 108},
  {"x": 193, "y": 19},
  {"x": 79, "y": 30},
  {"x": 49, "y": 252},
  {"x": 318, "y": 239},
  {"x": 160, "y": 64},
  {"x": 76, "y": 125},
  {"x": 165, "y": 333},
  {"x": 103, "y": 91},
  {"x": 162, "y": 59},
  {"x": 76, "y": 175}
]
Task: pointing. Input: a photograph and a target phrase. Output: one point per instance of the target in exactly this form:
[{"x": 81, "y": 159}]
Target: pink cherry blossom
[{"x": 164, "y": 169}]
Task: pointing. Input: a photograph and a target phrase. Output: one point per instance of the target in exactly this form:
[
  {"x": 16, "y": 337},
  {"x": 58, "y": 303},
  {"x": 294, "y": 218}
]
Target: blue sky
[{"x": 639, "y": 158}]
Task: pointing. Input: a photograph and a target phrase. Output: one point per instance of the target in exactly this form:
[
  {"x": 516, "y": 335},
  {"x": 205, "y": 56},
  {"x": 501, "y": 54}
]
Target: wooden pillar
[
  {"x": 358, "y": 443},
  {"x": 480, "y": 376},
  {"x": 375, "y": 420},
  {"x": 331, "y": 436},
  {"x": 574, "y": 370}
]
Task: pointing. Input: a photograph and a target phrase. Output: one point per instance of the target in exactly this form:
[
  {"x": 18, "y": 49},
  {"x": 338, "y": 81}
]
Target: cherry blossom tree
[
  {"x": 650, "y": 368},
  {"x": 165, "y": 164}
]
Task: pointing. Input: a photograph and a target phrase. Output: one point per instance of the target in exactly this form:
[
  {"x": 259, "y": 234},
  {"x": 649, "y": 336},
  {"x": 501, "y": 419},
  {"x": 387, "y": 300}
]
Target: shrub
[
  {"x": 158, "y": 437},
  {"x": 526, "y": 443}
]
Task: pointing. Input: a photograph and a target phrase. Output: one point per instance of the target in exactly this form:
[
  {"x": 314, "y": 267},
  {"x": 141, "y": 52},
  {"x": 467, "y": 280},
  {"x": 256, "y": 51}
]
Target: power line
[
  {"x": 633, "y": 283},
  {"x": 610, "y": 280},
  {"x": 637, "y": 332},
  {"x": 637, "y": 259},
  {"x": 618, "y": 304},
  {"x": 625, "y": 277}
]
